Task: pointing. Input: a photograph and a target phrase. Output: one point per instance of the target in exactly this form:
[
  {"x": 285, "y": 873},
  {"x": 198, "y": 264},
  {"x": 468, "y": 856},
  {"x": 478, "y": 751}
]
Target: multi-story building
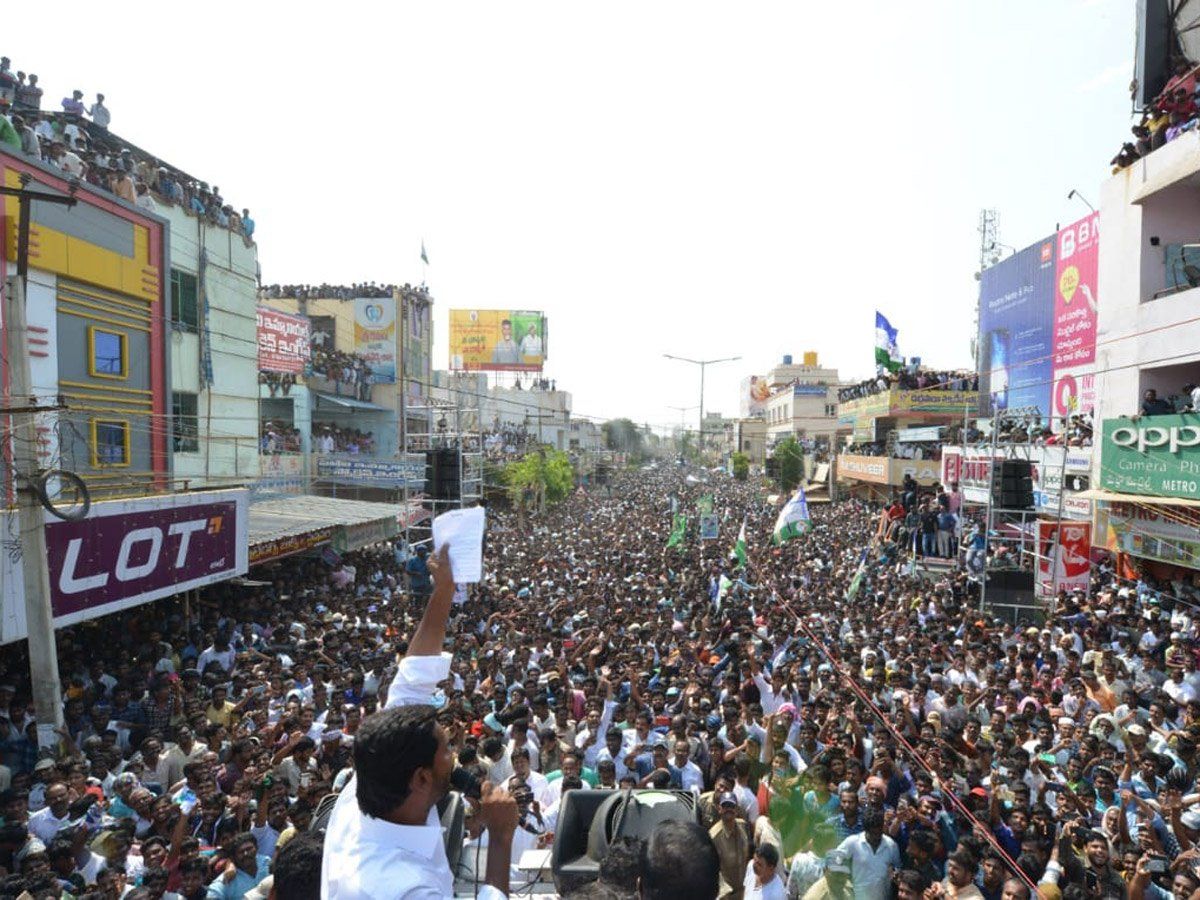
[
  {"x": 895, "y": 433},
  {"x": 1146, "y": 475},
  {"x": 802, "y": 403}
]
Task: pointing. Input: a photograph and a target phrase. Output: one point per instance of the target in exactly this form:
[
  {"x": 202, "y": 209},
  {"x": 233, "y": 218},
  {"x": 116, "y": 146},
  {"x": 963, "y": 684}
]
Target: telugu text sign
[
  {"x": 284, "y": 341},
  {"x": 375, "y": 336},
  {"x": 1156, "y": 456},
  {"x": 497, "y": 340}
]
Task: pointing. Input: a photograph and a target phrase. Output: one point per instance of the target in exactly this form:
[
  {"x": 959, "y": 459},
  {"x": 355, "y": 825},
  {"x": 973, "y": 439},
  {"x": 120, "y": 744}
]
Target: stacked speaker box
[
  {"x": 1012, "y": 484},
  {"x": 442, "y": 477}
]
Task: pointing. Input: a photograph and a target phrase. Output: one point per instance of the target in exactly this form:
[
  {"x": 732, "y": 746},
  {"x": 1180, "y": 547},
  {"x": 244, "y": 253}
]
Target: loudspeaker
[
  {"x": 1012, "y": 484},
  {"x": 1152, "y": 50},
  {"x": 1010, "y": 588},
  {"x": 590, "y": 821},
  {"x": 442, "y": 477}
]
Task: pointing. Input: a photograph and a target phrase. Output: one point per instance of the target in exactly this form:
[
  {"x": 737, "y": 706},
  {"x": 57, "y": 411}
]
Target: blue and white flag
[
  {"x": 793, "y": 520},
  {"x": 887, "y": 353}
]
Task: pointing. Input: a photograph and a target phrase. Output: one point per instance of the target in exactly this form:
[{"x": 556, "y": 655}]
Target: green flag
[
  {"x": 678, "y": 531},
  {"x": 739, "y": 548},
  {"x": 856, "y": 581},
  {"x": 704, "y": 505}
]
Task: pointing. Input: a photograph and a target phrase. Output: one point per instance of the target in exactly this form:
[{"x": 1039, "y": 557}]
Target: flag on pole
[
  {"x": 704, "y": 505},
  {"x": 723, "y": 586},
  {"x": 887, "y": 353},
  {"x": 856, "y": 581},
  {"x": 424, "y": 255},
  {"x": 678, "y": 531},
  {"x": 793, "y": 520},
  {"x": 739, "y": 548}
]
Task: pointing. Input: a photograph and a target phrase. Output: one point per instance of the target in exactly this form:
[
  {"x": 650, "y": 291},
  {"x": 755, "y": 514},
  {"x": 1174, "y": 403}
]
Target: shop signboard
[
  {"x": 1155, "y": 456},
  {"x": 971, "y": 467},
  {"x": 1075, "y": 313},
  {"x": 1148, "y": 532},
  {"x": 392, "y": 473},
  {"x": 129, "y": 552}
]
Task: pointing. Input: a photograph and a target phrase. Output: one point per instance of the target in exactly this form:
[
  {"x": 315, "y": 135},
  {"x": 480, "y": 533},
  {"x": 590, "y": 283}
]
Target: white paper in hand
[{"x": 462, "y": 529}]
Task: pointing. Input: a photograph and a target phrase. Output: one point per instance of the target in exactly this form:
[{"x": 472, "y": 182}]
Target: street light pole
[{"x": 703, "y": 364}]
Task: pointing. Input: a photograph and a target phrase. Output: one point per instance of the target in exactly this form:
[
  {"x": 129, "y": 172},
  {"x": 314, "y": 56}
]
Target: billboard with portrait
[
  {"x": 375, "y": 336},
  {"x": 497, "y": 340},
  {"x": 755, "y": 393},
  {"x": 1016, "y": 330}
]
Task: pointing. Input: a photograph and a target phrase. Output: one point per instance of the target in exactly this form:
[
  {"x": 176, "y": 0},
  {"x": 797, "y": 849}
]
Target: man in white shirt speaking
[{"x": 384, "y": 838}]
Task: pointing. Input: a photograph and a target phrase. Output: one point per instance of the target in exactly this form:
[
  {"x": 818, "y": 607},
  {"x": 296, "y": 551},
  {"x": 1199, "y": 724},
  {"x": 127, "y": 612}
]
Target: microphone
[{"x": 466, "y": 783}]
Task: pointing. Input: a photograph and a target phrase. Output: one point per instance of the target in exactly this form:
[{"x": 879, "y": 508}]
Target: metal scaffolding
[{"x": 444, "y": 426}]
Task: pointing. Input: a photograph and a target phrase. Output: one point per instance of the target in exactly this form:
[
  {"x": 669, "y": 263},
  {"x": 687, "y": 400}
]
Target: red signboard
[{"x": 283, "y": 341}]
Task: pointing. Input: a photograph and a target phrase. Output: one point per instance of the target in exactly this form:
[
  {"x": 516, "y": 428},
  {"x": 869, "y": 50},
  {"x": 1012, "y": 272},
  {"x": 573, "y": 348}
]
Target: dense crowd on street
[
  {"x": 911, "y": 379},
  {"x": 77, "y": 141},
  {"x": 1173, "y": 113},
  {"x": 849, "y": 728}
]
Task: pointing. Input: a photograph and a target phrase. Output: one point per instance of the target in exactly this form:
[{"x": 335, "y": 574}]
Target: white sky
[{"x": 694, "y": 178}]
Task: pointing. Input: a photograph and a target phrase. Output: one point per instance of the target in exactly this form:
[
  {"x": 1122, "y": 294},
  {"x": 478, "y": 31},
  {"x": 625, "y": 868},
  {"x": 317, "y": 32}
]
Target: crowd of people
[
  {"x": 345, "y": 370},
  {"x": 931, "y": 450},
  {"x": 1173, "y": 112},
  {"x": 337, "y": 291},
  {"x": 278, "y": 437},
  {"x": 77, "y": 141},
  {"x": 328, "y": 437},
  {"x": 911, "y": 379},
  {"x": 504, "y": 442},
  {"x": 849, "y": 726}
]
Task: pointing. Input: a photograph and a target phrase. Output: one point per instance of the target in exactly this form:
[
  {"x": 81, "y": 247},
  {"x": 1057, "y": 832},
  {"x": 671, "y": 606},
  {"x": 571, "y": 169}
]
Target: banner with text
[
  {"x": 375, "y": 336},
  {"x": 1075, "y": 309},
  {"x": 284, "y": 341},
  {"x": 1016, "y": 329},
  {"x": 497, "y": 340},
  {"x": 1156, "y": 456},
  {"x": 129, "y": 552}
]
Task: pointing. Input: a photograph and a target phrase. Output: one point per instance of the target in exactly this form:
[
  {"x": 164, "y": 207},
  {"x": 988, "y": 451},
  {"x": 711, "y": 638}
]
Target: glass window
[
  {"x": 110, "y": 442},
  {"x": 185, "y": 423},
  {"x": 108, "y": 353},
  {"x": 185, "y": 310}
]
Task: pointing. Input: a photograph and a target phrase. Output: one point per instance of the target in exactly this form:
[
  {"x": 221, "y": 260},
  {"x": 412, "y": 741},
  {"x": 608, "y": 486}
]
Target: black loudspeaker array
[
  {"x": 442, "y": 474},
  {"x": 1012, "y": 484}
]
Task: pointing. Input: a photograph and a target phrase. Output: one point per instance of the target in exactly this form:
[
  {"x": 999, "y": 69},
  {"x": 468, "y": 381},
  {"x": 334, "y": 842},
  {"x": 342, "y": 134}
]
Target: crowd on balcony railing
[
  {"x": 911, "y": 380},
  {"x": 346, "y": 370},
  {"x": 1175, "y": 111},
  {"x": 278, "y": 437},
  {"x": 340, "y": 291},
  {"x": 77, "y": 141},
  {"x": 907, "y": 450},
  {"x": 505, "y": 442},
  {"x": 330, "y": 438}
]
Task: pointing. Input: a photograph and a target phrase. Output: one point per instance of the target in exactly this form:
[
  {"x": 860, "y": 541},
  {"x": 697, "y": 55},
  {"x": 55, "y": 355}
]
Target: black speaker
[
  {"x": 442, "y": 477},
  {"x": 1013, "y": 587},
  {"x": 1152, "y": 51},
  {"x": 1012, "y": 484}
]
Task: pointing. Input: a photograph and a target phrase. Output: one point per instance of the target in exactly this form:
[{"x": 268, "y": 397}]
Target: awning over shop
[
  {"x": 1115, "y": 497},
  {"x": 349, "y": 403},
  {"x": 282, "y": 526}
]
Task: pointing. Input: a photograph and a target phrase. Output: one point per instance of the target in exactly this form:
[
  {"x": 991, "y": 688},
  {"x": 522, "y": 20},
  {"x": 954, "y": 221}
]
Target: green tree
[
  {"x": 789, "y": 457},
  {"x": 544, "y": 474},
  {"x": 623, "y": 435},
  {"x": 740, "y": 463}
]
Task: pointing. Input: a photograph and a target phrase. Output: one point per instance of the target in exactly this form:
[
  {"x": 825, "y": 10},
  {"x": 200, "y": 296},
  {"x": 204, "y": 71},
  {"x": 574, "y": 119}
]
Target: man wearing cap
[{"x": 732, "y": 838}]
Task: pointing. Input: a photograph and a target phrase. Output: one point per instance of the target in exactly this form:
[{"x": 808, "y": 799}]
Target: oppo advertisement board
[
  {"x": 1016, "y": 329},
  {"x": 129, "y": 552}
]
